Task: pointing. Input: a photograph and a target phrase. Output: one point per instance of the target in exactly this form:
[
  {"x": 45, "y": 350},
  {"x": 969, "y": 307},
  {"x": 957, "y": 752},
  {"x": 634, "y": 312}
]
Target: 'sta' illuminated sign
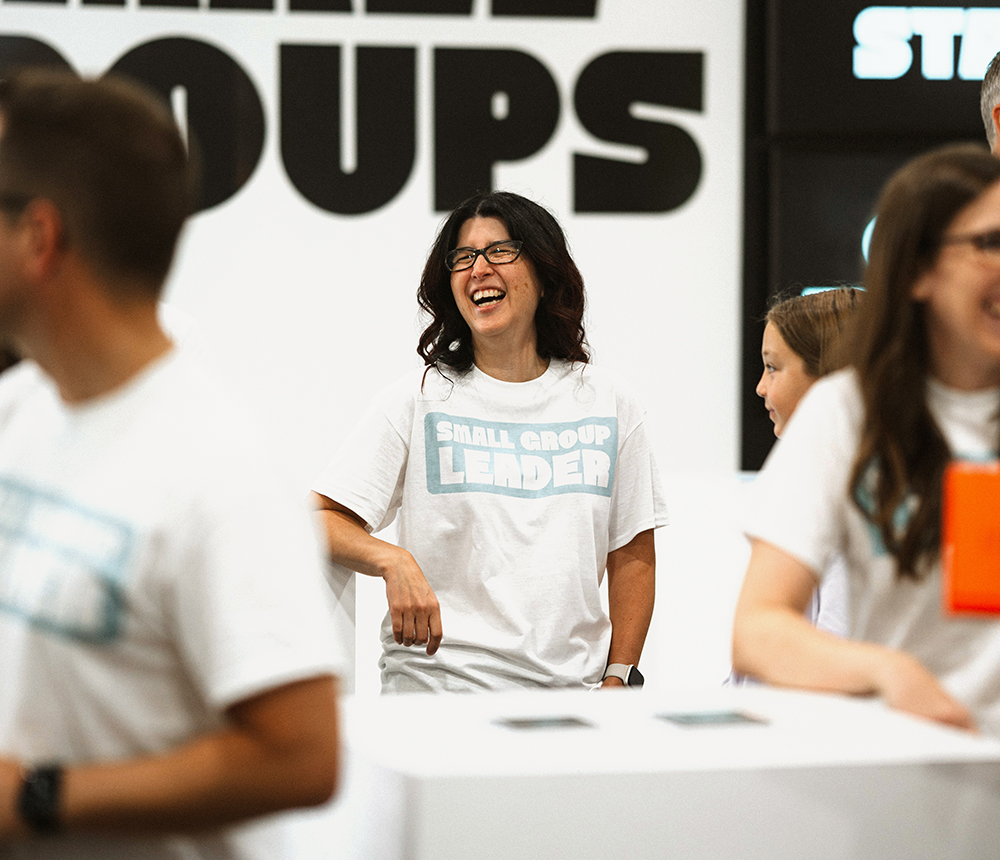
[{"x": 884, "y": 36}]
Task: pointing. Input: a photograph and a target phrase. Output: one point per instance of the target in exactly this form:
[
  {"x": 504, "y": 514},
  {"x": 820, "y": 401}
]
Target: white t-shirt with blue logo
[
  {"x": 510, "y": 497},
  {"x": 154, "y": 570},
  {"x": 800, "y": 504}
]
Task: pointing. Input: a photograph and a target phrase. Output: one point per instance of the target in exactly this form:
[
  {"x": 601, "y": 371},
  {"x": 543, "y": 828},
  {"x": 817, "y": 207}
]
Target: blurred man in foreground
[{"x": 166, "y": 661}]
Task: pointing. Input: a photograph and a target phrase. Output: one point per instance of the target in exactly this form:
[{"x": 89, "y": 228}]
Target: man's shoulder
[
  {"x": 200, "y": 432},
  {"x": 19, "y": 385}
]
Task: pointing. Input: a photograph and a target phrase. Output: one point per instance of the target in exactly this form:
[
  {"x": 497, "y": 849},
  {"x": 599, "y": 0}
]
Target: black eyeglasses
[
  {"x": 988, "y": 242},
  {"x": 498, "y": 253}
]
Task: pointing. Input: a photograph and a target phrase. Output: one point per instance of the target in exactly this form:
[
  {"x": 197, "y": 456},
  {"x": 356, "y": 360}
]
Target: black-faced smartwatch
[
  {"x": 38, "y": 800},
  {"x": 630, "y": 675}
]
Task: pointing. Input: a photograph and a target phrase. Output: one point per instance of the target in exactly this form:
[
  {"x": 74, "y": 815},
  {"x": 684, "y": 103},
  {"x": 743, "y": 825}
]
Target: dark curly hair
[{"x": 447, "y": 340}]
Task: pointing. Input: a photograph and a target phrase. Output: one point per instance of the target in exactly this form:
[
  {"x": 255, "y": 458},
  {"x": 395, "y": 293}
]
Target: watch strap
[
  {"x": 627, "y": 673},
  {"x": 39, "y": 799}
]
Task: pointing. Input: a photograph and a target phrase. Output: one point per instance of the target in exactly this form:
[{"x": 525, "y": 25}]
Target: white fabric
[
  {"x": 829, "y": 609},
  {"x": 152, "y": 572},
  {"x": 800, "y": 504},
  {"x": 510, "y": 496}
]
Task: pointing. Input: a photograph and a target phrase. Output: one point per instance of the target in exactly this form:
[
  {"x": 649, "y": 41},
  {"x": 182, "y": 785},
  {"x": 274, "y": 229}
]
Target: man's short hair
[
  {"x": 109, "y": 155},
  {"x": 989, "y": 96}
]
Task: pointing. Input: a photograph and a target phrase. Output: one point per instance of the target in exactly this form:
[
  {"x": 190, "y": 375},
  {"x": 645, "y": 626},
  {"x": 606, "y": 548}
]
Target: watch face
[{"x": 634, "y": 677}]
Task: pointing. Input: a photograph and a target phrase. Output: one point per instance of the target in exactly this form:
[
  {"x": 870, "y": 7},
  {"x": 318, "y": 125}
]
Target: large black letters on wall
[
  {"x": 514, "y": 8},
  {"x": 421, "y": 7},
  {"x": 546, "y": 8},
  {"x": 224, "y": 114},
  {"x": 319, "y": 5},
  {"x": 24, "y": 51},
  {"x": 490, "y": 106},
  {"x": 310, "y": 125},
  {"x": 468, "y": 138},
  {"x": 604, "y": 92},
  {"x": 225, "y": 119}
]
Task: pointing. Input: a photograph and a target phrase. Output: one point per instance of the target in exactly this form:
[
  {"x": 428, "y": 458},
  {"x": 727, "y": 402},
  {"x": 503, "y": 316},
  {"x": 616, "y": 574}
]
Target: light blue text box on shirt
[
  {"x": 61, "y": 566},
  {"x": 527, "y": 461}
]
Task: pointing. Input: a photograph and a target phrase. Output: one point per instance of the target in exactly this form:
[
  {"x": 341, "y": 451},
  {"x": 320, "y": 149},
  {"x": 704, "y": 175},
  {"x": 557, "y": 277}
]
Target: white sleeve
[
  {"x": 366, "y": 474},
  {"x": 799, "y": 500},
  {"x": 250, "y": 604},
  {"x": 637, "y": 500}
]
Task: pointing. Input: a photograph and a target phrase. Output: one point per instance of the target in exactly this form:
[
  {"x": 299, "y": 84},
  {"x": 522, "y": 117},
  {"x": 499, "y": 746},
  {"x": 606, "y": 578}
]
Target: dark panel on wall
[
  {"x": 821, "y": 202},
  {"x": 815, "y": 91},
  {"x": 839, "y": 95}
]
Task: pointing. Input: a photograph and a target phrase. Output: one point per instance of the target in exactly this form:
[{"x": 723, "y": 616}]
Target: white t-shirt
[
  {"x": 510, "y": 497},
  {"x": 152, "y": 572},
  {"x": 800, "y": 503},
  {"x": 829, "y": 607}
]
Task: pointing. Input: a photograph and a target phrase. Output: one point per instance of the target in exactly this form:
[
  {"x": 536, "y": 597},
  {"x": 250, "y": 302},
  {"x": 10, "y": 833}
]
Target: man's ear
[
  {"x": 996, "y": 129},
  {"x": 43, "y": 237}
]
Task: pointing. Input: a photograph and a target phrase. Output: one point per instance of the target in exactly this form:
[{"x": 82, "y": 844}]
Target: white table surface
[{"x": 820, "y": 777}]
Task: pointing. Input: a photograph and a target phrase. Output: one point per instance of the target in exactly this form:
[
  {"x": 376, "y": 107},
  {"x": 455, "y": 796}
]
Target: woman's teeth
[{"x": 485, "y": 297}]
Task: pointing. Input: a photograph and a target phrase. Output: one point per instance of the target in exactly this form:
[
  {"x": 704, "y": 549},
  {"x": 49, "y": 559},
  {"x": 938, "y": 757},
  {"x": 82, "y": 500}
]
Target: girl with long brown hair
[
  {"x": 803, "y": 341},
  {"x": 859, "y": 471}
]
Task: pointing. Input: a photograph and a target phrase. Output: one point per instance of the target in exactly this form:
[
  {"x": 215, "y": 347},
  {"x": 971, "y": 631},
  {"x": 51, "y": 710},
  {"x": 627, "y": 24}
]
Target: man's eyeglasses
[
  {"x": 988, "y": 242},
  {"x": 498, "y": 253}
]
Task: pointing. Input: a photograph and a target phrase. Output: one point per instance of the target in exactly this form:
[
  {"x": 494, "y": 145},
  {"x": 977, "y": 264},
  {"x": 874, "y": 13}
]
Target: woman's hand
[
  {"x": 772, "y": 641},
  {"x": 413, "y": 606},
  {"x": 906, "y": 684}
]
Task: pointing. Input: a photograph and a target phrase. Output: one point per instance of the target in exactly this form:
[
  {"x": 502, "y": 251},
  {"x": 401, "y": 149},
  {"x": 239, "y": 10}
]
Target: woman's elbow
[{"x": 745, "y": 642}]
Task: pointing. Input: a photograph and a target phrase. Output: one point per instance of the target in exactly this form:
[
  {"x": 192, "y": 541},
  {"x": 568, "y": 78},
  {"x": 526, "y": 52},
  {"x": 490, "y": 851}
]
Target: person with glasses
[
  {"x": 859, "y": 470},
  {"x": 519, "y": 473}
]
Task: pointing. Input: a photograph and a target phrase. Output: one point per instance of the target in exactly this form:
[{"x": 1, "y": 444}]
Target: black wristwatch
[
  {"x": 630, "y": 675},
  {"x": 38, "y": 801}
]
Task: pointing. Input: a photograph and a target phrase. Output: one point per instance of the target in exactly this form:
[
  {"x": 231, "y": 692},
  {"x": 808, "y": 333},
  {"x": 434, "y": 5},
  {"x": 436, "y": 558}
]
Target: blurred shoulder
[
  {"x": 838, "y": 390},
  {"x": 20, "y": 384},
  {"x": 829, "y": 414}
]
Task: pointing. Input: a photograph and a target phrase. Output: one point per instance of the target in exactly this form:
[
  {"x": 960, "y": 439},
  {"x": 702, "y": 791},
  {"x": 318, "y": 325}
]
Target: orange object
[{"x": 970, "y": 538}]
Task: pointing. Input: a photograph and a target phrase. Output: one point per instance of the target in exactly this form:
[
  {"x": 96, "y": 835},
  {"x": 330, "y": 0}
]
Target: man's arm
[
  {"x": 413, "y": 606},
  {"x": 278, "y": 750},
  {"x": 631, "y": 589},
  {"x": 773, "y": 641}
]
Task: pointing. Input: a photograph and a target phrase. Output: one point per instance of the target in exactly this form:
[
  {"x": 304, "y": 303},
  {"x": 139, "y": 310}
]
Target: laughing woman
[{"x": 519, "y": 474}]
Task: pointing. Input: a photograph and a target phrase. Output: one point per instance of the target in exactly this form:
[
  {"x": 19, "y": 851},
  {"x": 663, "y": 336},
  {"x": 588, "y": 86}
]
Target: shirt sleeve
[
  {"x": 250, "y": 602},
  {"x": 799, "y": 500},
  {"x": 637, "y": 499},
  {"x": 366, "y": 474}
]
